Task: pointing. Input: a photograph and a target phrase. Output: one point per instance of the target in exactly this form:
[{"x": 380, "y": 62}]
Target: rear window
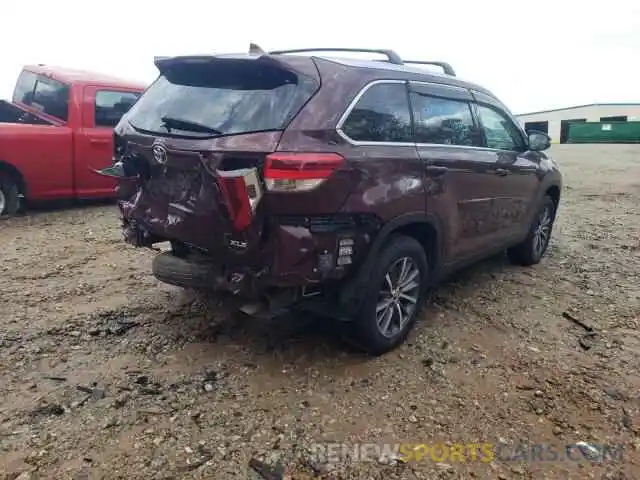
[
  {"x": 43, "y": 93},
  {"x": 225, "y": 97}
]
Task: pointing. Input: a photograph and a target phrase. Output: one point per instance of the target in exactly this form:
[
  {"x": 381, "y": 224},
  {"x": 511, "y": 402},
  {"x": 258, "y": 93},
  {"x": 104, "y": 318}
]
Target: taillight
[
  {"x": 297, "y": 172},
  {"x": 242, "y": 193}
]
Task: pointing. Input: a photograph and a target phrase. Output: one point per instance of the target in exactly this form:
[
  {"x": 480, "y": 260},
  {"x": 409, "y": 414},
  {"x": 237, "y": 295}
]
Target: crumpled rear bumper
[
  {"x": 292, "y": 255},
  {"x": 205, "y": 275}
]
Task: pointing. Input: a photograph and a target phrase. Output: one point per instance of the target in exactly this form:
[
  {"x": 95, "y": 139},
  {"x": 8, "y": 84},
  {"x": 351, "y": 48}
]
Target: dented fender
[{"x": 302, "y": 256}]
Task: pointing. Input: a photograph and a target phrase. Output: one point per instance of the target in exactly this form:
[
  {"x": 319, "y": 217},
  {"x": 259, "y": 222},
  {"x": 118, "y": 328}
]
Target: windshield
[{"x": 211, "y": 100}]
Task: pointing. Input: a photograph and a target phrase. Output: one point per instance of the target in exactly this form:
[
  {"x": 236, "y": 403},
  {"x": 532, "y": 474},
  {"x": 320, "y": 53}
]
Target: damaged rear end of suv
[
  {"x": 340, "y": 186},
  {"x": 235, "y": 161}
]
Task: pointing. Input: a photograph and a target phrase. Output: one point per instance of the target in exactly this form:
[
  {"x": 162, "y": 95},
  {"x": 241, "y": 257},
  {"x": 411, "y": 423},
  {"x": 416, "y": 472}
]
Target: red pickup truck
[{"x": 56, "y": 132}]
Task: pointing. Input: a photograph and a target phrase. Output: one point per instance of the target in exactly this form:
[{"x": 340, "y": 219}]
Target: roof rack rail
[
  {"x": 448, "y": 69},
  {"x": 392, "y": 57}
]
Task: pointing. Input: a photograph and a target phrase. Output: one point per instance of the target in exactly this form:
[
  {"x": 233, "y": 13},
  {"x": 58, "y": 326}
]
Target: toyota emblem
[{"x": 159, "y": 154}]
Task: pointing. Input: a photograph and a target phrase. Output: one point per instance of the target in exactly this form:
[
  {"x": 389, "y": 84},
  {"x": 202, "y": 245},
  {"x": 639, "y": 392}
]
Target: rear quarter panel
[
  {"x": 43, "y": 155},
  {"x": 314, "y": 130},
  {"x": 390, "y": 182}
]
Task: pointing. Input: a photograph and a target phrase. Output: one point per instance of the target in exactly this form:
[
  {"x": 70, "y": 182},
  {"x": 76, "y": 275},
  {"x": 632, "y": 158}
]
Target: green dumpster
[{"x": 604, "y": 132}]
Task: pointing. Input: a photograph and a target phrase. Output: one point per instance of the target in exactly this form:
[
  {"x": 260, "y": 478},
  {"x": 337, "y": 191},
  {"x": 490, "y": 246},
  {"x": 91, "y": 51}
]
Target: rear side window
[
  {"x": 442, "y": 121},
  {"x": 499, "y": 131},
  {"x": 44, "y": 94},
  {"x": 111, "y": 105},
  {"x": 380, "y": 115},
  {"x": 221, "y": 98}
]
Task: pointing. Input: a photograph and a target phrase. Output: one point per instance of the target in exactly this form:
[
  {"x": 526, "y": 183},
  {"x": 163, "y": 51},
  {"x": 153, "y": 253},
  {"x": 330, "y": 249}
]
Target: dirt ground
[{"x": 105, "y": 373}]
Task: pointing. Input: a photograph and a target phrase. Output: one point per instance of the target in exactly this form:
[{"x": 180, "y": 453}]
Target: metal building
[{"x": 556, "y": 122}]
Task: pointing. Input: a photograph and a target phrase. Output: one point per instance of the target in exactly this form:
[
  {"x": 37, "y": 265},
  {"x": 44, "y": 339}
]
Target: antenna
[{"x": 254, "y": 49}]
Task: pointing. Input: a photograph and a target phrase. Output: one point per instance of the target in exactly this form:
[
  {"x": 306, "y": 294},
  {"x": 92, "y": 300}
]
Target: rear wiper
[{"x": 187, "y": 126}]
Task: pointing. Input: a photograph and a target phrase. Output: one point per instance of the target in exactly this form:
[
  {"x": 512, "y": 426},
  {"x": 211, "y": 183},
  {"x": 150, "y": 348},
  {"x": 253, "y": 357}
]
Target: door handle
[
  {"x": 436, "y": 171},
  {"x": 501, "y": 172},
  {"x": 98, "y": 141}
]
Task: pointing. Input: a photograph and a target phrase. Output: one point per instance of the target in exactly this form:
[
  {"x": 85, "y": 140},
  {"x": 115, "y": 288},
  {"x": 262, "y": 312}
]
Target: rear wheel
[
  {"x": 9, "y": 196},
  {"x": 394, "y": 296},
  {"x": 534, "y": 246}
]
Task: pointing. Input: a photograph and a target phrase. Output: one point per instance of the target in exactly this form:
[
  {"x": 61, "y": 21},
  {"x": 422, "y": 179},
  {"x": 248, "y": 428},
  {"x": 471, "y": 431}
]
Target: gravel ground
[{"x": 106, "y": 373}]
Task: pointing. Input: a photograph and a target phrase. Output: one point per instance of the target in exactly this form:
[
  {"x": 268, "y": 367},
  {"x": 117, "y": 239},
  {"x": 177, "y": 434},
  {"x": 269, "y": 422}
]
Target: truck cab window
[
  {"x": 45, "y": 94},
  {"x": 111, "y": 106},
  {"x": 24, "y": 87}
]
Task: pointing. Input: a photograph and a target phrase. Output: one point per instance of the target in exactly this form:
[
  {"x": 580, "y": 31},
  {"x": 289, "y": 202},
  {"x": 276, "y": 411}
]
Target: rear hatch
[{"x": 200, "y": 138}]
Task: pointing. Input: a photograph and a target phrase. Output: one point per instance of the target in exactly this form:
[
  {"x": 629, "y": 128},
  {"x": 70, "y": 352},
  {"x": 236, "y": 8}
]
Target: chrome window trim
[
  {"x": 352, "y": 105},
  {"x": 464, "y": 147},
  {"x": 413, "y": 144},
  {"x": 364, "y": 143},
  {"x": 440, "y": 85},
  {"x": 357, "y": 98}
]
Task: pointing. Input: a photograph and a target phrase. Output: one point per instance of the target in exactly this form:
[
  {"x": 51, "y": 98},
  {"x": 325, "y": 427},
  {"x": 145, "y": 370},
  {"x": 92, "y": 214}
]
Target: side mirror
[{"x": 538, "y": 141}]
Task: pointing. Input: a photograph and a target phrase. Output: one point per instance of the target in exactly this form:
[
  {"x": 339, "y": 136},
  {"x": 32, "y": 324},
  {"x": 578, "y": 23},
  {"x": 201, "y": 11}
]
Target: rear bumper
[
  {"x": 187, "y": 273},
  {"x": 292, "y": 258},
  {"x": 303, "y": 253}
]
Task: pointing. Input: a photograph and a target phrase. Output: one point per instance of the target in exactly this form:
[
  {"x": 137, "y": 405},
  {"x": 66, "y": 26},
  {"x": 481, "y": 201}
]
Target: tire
[
  {"x": 534, "y": 246},
  {"x": 368, "y": 330},
  {"x": 9, "y": 196},
  {"x": 177, "y": 271}
]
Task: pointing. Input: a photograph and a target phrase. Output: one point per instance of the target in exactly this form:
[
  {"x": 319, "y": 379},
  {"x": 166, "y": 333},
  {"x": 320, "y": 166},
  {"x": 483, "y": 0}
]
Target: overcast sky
[{"x": 533, "y": 55}]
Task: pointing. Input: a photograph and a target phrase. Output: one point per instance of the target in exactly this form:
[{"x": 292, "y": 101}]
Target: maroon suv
[{"x": 344, "y": 186}]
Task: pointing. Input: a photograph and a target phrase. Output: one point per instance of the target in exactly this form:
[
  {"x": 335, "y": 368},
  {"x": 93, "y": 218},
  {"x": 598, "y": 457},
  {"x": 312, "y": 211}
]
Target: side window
[
  {"x": 500, "y": 132},
  {"x": 24, "y": 87},
  {"x": 52, "y": 97},
  {"x": 112, "y": 105},
  {"x": 442, "y": 121},
  {"x": 43, "y": 93},
  {"x": 381, "y": 115}
]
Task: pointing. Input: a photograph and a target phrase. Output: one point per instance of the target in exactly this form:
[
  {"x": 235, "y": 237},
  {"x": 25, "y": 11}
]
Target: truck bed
[{"x": 11, "y": 113}]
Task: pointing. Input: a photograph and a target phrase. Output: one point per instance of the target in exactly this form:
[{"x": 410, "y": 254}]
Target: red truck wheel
[{"x": 9, "y": 196}]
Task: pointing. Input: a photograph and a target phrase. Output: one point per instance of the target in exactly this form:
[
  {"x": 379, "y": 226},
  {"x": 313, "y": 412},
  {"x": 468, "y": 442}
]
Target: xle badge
[{"x": 238, "y": 244}]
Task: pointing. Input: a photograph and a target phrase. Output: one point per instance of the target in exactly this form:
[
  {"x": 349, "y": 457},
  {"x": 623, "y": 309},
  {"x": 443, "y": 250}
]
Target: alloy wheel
[
  {"x": 542, "y": 232},
  {"x": 398, "y": 297}
]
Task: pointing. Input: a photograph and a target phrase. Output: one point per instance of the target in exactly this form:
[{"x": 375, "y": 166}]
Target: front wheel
[
  {"x": 534, "y": 246},
  {"x": 393, "y": 296}
]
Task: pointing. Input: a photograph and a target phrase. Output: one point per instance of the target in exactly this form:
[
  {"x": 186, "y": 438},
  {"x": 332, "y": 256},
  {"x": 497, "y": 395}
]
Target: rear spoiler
[{"x": 164, "y": 64}]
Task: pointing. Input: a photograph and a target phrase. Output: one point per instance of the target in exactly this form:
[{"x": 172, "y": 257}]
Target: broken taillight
[
  {"x": 298, "y": 172},
  {"x": 242, "y": 192}
]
